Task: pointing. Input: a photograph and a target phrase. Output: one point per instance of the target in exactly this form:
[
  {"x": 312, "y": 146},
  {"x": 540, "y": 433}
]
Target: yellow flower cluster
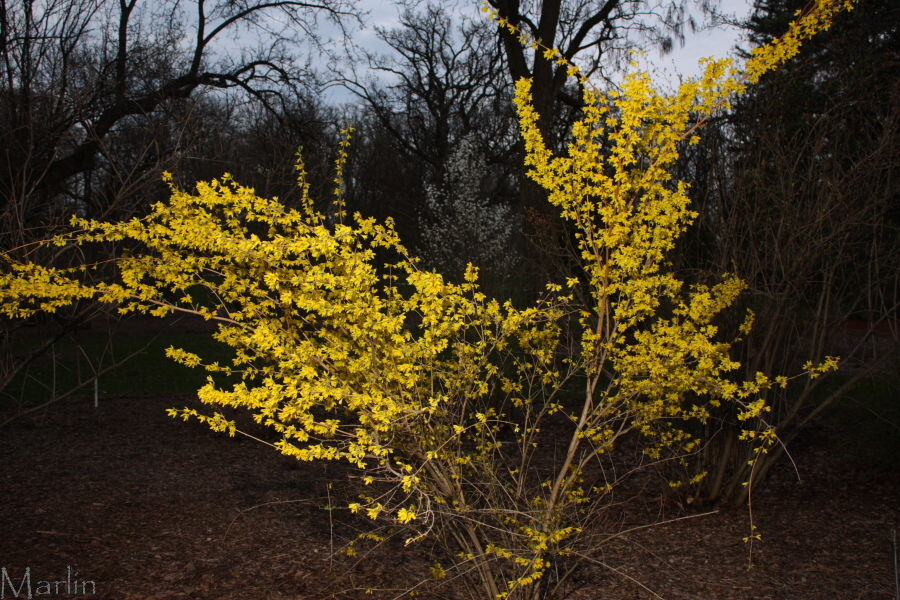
[{"x": 615, "y": 185}]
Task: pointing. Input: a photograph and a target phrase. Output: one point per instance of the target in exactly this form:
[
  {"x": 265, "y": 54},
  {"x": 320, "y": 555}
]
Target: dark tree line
[{"x": 798, "y": 192}]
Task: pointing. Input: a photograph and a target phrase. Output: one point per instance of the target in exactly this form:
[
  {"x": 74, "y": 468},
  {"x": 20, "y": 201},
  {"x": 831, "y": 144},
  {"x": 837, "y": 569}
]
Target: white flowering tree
[{"x": 462, "y": 224}]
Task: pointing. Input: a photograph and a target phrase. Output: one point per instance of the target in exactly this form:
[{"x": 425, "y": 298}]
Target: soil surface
[{"x": 146, "y": 507}]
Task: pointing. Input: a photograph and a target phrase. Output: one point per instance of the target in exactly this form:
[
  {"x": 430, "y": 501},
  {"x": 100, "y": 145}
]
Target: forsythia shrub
[{"x": 443, "y": 397}]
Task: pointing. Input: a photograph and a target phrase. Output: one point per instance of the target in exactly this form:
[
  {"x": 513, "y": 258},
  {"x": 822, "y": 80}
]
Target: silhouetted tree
[{"x": 798, "y": 191}]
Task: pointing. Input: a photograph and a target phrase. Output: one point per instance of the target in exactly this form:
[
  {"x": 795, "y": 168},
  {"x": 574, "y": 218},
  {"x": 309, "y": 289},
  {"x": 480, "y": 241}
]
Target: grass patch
[
  {"x": 864, "y": 424},
  {"x": 75, "y": 358}
]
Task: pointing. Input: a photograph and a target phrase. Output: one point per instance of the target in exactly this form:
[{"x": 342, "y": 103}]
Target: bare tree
[
  {"x": 595, "y": 34},
  {"x": 75, "y": 73},
  {"x": 442, "y": 86},
  {"x": 445, "y": 81}
]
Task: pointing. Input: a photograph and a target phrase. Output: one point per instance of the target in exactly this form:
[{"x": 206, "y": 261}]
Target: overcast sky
[
  {"x": 682, "y": 61},
  {"x": 718, "y": 42}
]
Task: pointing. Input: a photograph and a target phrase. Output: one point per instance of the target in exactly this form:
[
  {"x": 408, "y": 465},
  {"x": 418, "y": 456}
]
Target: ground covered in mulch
[{"x": 150, "y": 508}]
